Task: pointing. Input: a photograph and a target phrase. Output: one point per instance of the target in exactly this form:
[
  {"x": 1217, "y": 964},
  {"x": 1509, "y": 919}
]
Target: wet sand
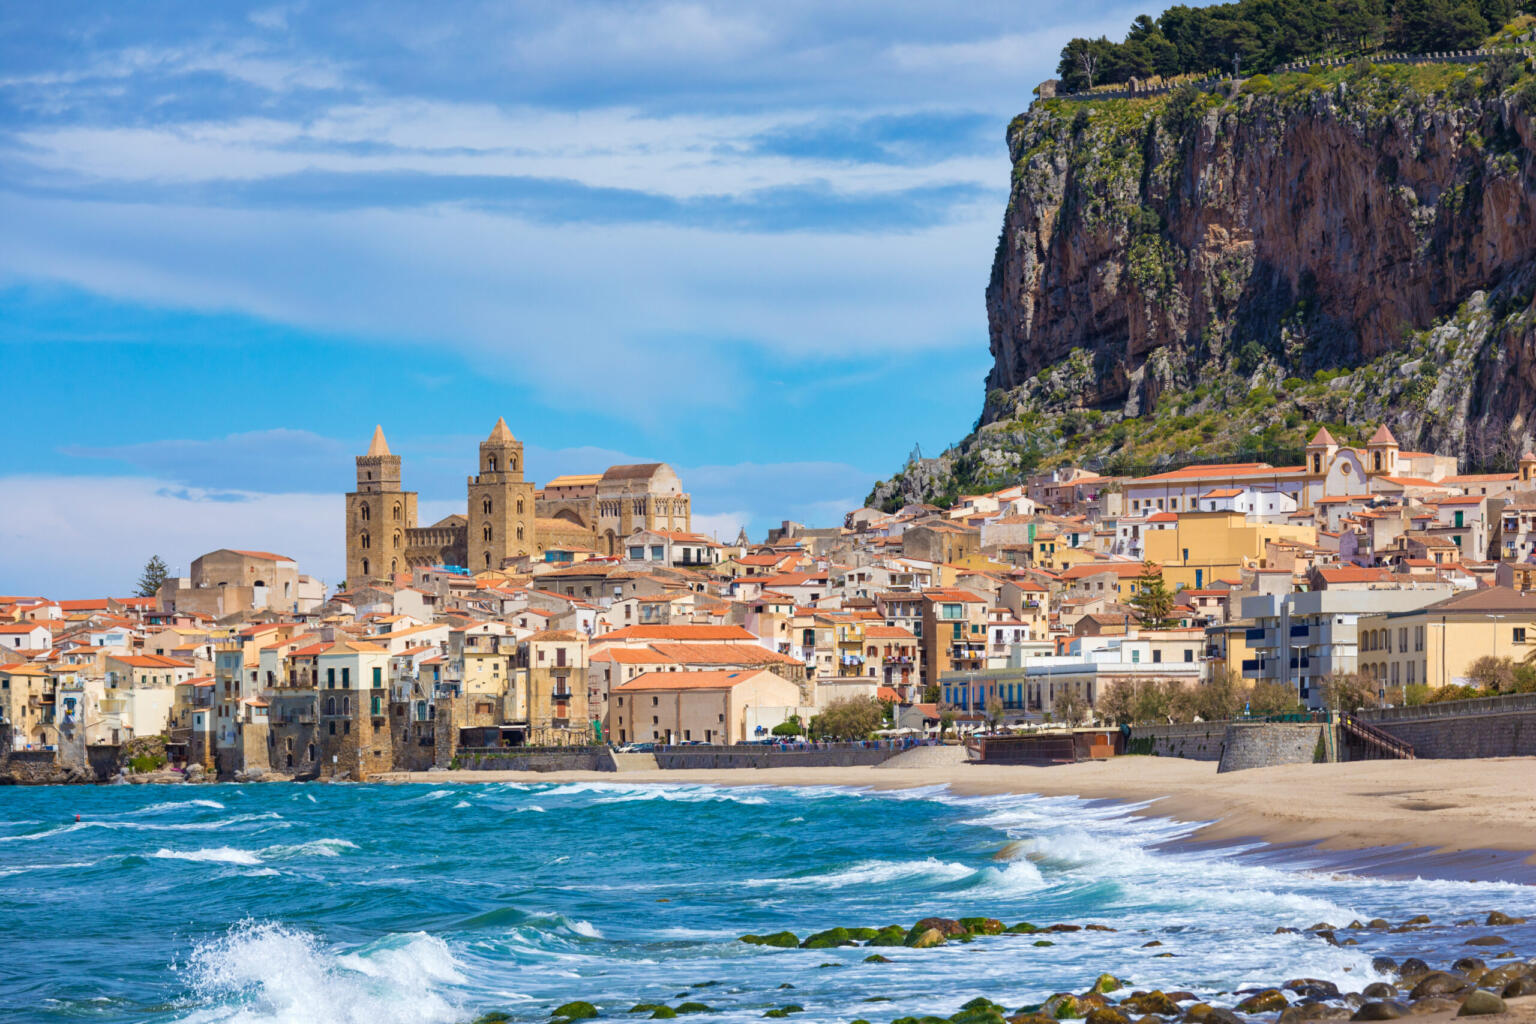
[{"x": 1477, "y": 817}]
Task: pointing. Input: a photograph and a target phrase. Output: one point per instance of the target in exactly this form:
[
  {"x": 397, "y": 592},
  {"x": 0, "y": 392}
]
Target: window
[
  {"x": 519, "y": 531},
  {"x": 330, "y": 679},
  {"x": 363, "y": 513},
  {"x": 657, "y": 552},
  {"x": 378, "y": 677},
  {"x": 485, "y": 506},
  {"x": 1519, "y": 634},
  {"x": 345, "y": 681},
  {"x": 333, "y": 728},
  {"x": 1157, "y": 657},
  {"x": 654, "y": 702},
  {"x": 330, "y": 705},
  {"x": 1418, "y": 638},
  {"x": 1135, "y": 657},
  {"x": 637, "y": 553},
  {"x": 362, "y": 539},
  {"x": 1189, "y": 655},
  {"x": 485, "y": 532},
  {"x": 1186, "y": 554}
]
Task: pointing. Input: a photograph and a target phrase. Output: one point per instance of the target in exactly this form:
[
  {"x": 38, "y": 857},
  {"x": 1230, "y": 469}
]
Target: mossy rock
[
  {"x": 829, "y": 939},
  {"x": 663, "y": 1013},
  {"x": 926, "y": 939},
  {"x": 1104, "y": 1015},
  {"x": 1155, "y": 1001},
  {"x": 990, "y": 1015},
  {"x": 776, "y": 1013},
  {"x": 1044, "y": 942},
  {"x": 863, "y": 934},
  {"x": 1199, "y": 1012},
  {"x": 783, "y": 940},
  {"x": 876, "y": 958},
  {"x": 1106, "y": 983},
  {"x": 1062, "y": 1006},
  {"x": 1270, "y": 1000},
  {"x": 692, "y": 1007},
  {"x": 493, "y": 1017},
  {"x": 878, "y": 999},
  {"x": 952, "y": 929},
  {"x": 890, "y": 935},
  {"x": 1022, "y": 928},
  {"x": 578, "y": 1010},
  {"x": 1031, "y": 1018},
  {"x": 983, "y": 925},
  {"x": 645, "y": 1007}
]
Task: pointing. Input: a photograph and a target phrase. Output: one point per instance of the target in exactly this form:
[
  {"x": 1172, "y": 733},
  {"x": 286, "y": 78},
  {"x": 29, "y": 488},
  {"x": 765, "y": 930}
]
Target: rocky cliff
[{"x": 1208, "y": 274}]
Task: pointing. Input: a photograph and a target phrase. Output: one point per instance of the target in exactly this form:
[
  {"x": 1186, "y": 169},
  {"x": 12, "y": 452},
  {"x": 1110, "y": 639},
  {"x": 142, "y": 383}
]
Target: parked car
[{"x": 638, "y": 748}]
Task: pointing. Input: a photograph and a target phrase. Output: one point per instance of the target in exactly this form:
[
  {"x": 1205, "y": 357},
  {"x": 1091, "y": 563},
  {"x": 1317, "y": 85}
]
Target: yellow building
[
  {"x": 1206, "y": 546},
  {"x": 1437, "y": 644}
]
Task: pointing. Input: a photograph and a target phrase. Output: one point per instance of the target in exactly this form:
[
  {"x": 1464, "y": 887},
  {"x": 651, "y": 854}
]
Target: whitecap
[
  {"x": 269, "y": 972},
  {"x": 217, "y": 855},
  {"x": 872, "y": 872},
  {"x": 313, "y": 848},
  {"x": 174, "y": 805},
  {"x": 461, "y": 805}
]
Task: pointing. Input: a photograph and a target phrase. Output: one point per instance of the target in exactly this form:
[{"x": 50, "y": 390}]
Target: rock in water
[
  {"x": 1386, "y": 1009},
  {"x": 1268, "y": 1001},
  {"x": 927, "y": 939},
  {"x": 577, "y": 1010}
]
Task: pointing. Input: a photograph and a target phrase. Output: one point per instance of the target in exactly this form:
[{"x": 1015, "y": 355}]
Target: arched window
[
  {"x": 362, "y": 539},
  {"x": 512, "y": 463},
  {"x": 490, "y": 463},
  {"x": 346, "y": 706},
  {"x": 397, "y": 539},
  {"x": 309, "y": 752},
  {"x": 519, "y": 506},
  {"x": 519, "y": 532},
  {"x": 487, "y": 559},
  {"x": 394, "y": 565},
  {"x": 486, "y": 531},
  {"x": 330, "y": 705},
  {"x": 485, "y": 506},
  {"x": 365, "y": 513},
  {"x": 397, "y": 511},
  {"x": 365, "y": 567}
]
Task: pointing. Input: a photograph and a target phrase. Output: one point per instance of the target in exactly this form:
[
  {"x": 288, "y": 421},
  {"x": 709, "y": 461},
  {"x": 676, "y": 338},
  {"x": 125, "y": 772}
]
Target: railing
[
  {"x": 1500, "y": 705},
  {"x": 1384, "y": 742}
]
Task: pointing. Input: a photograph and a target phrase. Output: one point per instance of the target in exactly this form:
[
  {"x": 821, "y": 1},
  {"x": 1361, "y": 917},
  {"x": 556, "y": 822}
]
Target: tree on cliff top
[
  {"x": 1259, "y": 34},
  {"x": 155, "y": 573}
]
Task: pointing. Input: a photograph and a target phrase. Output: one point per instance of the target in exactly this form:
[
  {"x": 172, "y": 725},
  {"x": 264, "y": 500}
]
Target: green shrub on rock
[
  {"x": 829, "y": 939},
  {"x": 783, "y": 940}
]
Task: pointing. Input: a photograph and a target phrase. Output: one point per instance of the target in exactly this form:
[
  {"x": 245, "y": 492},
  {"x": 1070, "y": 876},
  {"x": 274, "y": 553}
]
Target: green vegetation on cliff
[{"x": 1258, "y": 35}]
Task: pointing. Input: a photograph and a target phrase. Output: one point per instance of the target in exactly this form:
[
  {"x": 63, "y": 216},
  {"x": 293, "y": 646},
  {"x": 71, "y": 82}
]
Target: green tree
[
  {"x": 1494, "y": 674},
  {"x": 1221, "y": 698},
  {"x": 1118, "y": 701},
  {"x": 1069, "y": 707},
  {"x": 1347, "y": 691},
  {"x": 789, "y": 727},
  {"x": 1272, "y": 699},
  {"x": 155, "y": 573},
  {"x": 994, "y": 713},
  {"x": 1152, "y": 599},
  {"x": 931, "y": 693},
  {"x": 852, "y": 718},
  {"x": 946, "y": 722}
]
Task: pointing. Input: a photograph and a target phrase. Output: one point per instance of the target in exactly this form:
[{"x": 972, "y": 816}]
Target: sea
[{"x": 386, "y": 904}]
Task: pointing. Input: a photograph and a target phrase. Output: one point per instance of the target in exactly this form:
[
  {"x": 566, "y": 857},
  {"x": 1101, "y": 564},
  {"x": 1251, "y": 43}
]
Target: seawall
[{"x": 1488, "y": 727}]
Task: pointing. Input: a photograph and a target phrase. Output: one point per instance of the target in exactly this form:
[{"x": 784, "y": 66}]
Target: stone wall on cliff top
[{"x": 1205, "y": 273}]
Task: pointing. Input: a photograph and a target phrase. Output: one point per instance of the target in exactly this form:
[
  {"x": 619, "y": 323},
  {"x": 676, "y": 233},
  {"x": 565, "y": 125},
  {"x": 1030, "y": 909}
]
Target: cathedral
[{"x": 506, "y": 520}]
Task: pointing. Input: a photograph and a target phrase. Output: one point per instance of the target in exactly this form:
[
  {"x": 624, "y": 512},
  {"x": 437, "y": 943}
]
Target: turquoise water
[{"x": 382, "y": 904}]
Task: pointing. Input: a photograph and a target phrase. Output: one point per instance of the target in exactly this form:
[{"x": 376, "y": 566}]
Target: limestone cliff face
[
  {"x": 1207, "y": 274},
  {"x": 1153, "y": 242}
]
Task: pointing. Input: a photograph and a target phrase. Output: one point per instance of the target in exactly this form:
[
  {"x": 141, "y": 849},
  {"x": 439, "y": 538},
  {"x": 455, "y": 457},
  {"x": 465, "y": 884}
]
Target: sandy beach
[{"x": 1450, "y": 807}]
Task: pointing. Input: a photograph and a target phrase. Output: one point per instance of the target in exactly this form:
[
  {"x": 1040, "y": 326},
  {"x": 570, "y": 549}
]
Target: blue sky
[{"x": 748, "y": 240}]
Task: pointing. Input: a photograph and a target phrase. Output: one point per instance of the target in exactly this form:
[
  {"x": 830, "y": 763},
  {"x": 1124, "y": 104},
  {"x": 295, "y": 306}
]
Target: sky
[{"x": 749, "y": 240}]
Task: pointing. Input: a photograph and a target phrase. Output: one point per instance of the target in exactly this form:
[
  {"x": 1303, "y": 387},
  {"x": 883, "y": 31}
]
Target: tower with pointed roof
[
  {"x": 501, "y": 516},
  {"x": 1381, "y": 453},
  {"x": 379, "y": 513},
  {"x": 1319, "y": 451}
]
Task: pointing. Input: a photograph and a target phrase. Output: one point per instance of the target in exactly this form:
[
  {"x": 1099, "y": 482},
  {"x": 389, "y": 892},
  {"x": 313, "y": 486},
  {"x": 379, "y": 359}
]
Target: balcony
[
  {"x": 1300, "y": 630},
  {"x": 1252, "y": 635},
  {"x": 562, "y": 695},
  {"x": 1253, "y": 665}
]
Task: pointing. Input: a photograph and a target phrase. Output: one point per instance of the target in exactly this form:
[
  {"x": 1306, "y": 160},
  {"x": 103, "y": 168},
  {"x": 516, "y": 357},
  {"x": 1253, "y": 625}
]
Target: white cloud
[
  {"x": 659, "y": 307},
  {"x": 89, "y": 536}
]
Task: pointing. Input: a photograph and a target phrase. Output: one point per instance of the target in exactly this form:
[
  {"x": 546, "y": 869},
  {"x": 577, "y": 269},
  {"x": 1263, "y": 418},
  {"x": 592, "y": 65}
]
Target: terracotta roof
[
  {"x": 1321, "y": 437},
  {"x": 265, "y": 556},
  {"x": 723, "y": 654},
  {"x": 1382, "y": 436},
  {"x": 683, "y": 633},
  {"x": 888, "y": 633},
  {"x": 691, "y": 680}
]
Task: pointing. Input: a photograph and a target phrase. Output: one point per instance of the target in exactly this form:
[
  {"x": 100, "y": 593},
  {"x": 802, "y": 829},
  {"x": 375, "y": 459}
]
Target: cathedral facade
[{"x": 506, "y": 519}]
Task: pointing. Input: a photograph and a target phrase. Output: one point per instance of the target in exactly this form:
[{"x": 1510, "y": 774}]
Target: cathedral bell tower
[
  {"x": 500, "y": 503},
  {"x": 378, "y": 514}
]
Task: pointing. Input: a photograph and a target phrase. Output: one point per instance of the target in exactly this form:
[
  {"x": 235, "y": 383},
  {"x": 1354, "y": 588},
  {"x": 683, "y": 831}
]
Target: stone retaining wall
[
  {"x": 1486, "y": 727},
  {"x": 766, "y": 757},
  {"x": 1262, "y": 744},
  {"x": 1197, "y": 741},
  {"x": 577, "y": 759}
]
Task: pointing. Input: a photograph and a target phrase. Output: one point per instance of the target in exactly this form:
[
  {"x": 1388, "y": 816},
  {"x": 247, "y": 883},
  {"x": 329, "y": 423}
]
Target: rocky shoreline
[{"x": 1471, "y": 986}]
